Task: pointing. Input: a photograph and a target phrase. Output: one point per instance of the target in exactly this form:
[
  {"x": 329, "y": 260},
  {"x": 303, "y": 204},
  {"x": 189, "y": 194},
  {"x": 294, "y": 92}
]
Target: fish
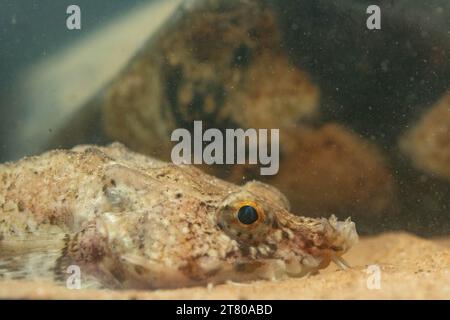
[{"x": 129, "y": 221}]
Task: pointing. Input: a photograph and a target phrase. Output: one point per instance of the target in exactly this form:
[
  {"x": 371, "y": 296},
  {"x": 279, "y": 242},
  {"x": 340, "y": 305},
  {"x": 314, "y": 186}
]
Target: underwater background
[{"x": 374, "y": 87}]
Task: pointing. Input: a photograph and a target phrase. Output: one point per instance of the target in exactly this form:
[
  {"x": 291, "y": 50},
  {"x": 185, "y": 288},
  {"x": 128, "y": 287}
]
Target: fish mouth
[
  {"x": 344, "y": 235},
  {"x": 342, "y": 238},
  {"x": 338, "y": 238}
]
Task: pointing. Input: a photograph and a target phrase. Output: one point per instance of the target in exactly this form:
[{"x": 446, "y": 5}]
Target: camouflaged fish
[{"x": 130, "y": 221}]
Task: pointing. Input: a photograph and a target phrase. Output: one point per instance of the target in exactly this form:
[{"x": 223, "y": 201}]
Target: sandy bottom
[{"x": 410, "y": 268}]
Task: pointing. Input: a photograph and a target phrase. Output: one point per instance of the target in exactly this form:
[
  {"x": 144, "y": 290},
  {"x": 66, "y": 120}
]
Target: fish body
[{"x": 130, "y": 221}]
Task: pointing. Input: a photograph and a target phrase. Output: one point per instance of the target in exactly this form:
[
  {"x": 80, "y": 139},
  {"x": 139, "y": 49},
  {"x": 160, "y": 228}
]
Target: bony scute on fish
[{"x": 131, "y": 221}]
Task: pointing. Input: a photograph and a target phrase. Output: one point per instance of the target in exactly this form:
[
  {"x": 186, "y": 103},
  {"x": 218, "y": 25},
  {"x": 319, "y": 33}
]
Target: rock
[
  {"x": 329, "y": 169},
  {"x": 221, "y": 62},
  {"x": 427, "y": 144}
]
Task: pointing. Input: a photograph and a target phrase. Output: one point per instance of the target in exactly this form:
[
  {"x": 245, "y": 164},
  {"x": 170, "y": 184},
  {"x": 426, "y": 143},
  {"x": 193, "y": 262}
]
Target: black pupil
[{"x": 247, "y": 215}]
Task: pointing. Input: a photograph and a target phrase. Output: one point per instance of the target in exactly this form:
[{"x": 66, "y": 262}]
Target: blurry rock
[
  {"x": 428, "y": 143},
  {"x": 218, "y": 61},
  {"x": 331, "y": 169}
]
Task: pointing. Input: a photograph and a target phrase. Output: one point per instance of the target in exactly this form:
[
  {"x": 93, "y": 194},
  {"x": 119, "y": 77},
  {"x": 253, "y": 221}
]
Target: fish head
[{"x": 154, "y": 236}]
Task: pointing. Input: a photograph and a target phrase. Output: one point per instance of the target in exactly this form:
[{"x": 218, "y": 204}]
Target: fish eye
[
  {"x": 247, "y": 214},
  {"x": 244, "y": 220}
]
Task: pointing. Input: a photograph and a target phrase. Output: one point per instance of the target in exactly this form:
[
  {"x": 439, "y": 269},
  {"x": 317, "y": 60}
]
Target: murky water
[{"x": 350, "y": 100}]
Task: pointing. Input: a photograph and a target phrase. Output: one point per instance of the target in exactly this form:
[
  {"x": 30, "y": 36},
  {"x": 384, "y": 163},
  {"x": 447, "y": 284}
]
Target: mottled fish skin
[{"x": 131, "y": 221}]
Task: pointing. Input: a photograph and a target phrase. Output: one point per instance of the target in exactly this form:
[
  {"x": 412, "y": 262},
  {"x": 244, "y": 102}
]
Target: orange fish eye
[{"x": 248, "y": 213}]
